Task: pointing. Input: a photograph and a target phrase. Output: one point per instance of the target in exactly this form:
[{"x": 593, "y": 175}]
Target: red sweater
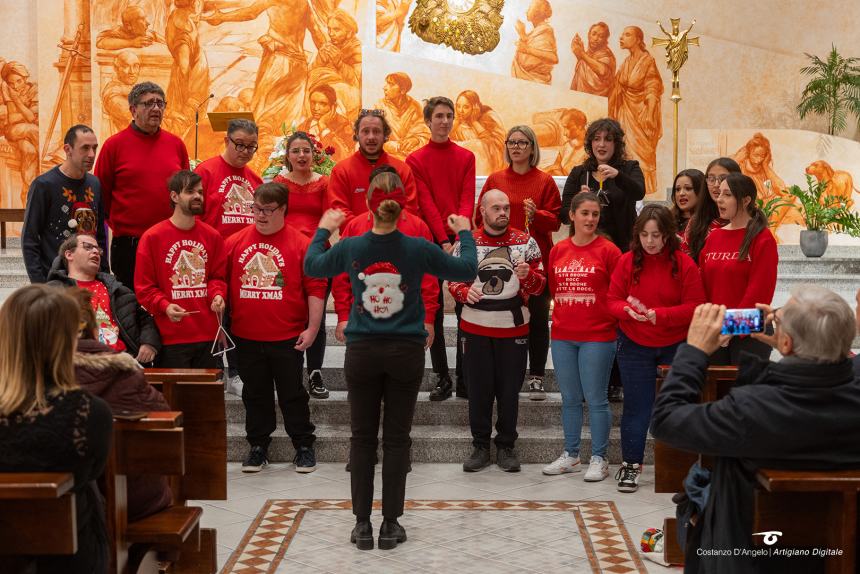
[
  {"x": 307, "y": 204},
  {"x": 133, "y": 169},
  {"x": 268, "y": 288},
  {"x": 409, "y": 224},
  {"x": 673, "y": 298},
  {"x": 579, "y": 281},
  {"x": 538, "y": 186},
  {"x": 229, "y": 195},
  {"x": 739, "y": 284},
  {"x": 445, "y": 176},
  {"x": 502, "y": 310},
  {"x": 350, "y": 178},
  {"x": 182, "y": 267}
]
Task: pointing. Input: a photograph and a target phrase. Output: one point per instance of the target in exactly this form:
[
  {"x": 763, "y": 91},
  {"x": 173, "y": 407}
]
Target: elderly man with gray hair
[
  {"x": 133, "y": 168},
  {"x": 797, "y": 413}
]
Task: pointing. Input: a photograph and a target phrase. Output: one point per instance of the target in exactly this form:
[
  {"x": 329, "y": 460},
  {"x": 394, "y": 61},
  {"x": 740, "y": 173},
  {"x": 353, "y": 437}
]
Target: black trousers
[
  {"x": 187, "y": 356},
  {"x": 494, "y": 369},
  {"x": 262, "y": 364},
  {"x": 539, "y": 332},
  {"x": 123, "y": 254},
  {"x": 731, "y": 355},
  {"x": 315, "y": 354},
  {"x": 381, "y": 370}
]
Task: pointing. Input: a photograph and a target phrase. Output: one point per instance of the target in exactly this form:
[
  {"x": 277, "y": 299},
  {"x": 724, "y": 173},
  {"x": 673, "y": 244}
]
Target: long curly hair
[
  {"x": 666, "y": 225},
  {"x": 615, "y": 132}
]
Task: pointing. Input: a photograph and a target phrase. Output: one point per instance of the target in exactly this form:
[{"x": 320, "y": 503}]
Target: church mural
[{"x": 313, "y": 64}]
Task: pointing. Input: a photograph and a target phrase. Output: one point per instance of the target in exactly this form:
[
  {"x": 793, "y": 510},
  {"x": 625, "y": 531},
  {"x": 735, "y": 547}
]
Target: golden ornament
[{"x": 468, "y": 26}]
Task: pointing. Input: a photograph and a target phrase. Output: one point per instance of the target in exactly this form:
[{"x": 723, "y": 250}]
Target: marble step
[
  {"x": 453, "y": 411},
  {"x": 536, "y": 444}
]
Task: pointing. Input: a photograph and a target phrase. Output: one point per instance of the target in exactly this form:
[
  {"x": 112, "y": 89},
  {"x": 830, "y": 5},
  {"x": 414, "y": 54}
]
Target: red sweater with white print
[
  {"x": 536, "y": 185},
  {"x": 183, "y": 267},
  {"x": 502, "y": 310},
  {"x": 268, "y": 288},
  {"x": 133, "y": 169},
  {"x": 409, "y": 224},
  {"x": 445, "y": 176},
  {"x": 350, "y": 178},
  {"x": 673, "y": 297},
  {"x": 739, "y": 284},
  {"x": 579, "y": 279},
  {"x": 229, "y": 195}
]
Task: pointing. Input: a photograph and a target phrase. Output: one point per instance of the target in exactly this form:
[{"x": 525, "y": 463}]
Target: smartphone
[{"x": 743, "y": 322}]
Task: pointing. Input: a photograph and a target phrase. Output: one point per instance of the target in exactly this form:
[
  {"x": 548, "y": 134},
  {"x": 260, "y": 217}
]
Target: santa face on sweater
[{"x": 382, "y": 296}]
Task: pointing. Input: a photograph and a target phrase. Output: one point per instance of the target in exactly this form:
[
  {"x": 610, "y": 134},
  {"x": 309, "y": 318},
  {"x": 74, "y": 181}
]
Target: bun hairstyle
[{"x": 385, "y": 182}]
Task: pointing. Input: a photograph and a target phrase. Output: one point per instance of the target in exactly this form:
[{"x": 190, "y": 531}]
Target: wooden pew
[
  {"x": 182, "y": 375},
  {"x": 29, "y": 501},
  {"x": 8, "y": 216},
  {"x": 152, "y": 445}
]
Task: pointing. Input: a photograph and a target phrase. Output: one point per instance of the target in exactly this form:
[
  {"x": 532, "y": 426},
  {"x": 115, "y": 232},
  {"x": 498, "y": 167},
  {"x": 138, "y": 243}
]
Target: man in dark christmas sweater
[
  {"x": 62, "y": 202},
  {"x": 494, "y": 329},
  {"x": 179, "y": 278}
]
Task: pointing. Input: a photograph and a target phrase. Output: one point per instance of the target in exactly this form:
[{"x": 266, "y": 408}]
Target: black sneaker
[
  {"x": 362, "y": 535},
  {"x": 615, "y": 394},
  {"x": 305, "y": 459},
  {"x": 507, "y": 459},
  {"x": 316, "y": 388},
  {"x": 628, "y": 477},
  {"x": 443, "y": 388},
  {"x": 462, "y": 393},
  {"x": 256, "y": 461},
  {"x": 480, "y": 459},
  {"x": 391, "y": 534}
]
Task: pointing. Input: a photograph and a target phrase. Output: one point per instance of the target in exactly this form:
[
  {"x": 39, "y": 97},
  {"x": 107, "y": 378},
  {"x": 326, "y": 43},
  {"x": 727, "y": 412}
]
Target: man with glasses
[
  {"x": 133, "y": 167},
  {"x": 179, "y": 278},
  {"x": 275, "y": 314},
  {"x": 123, "y": 324},
  {"x": 228, "y": 182},
  {"x": 347, "y": 187},
  {"x": 494, "y": 329},
  {"x": 61, "y": 202}
]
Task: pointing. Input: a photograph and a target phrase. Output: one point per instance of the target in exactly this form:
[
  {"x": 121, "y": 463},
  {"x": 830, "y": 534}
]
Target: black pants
[
  {"x": 538, "y": 332},
  {"x": 381, "y": 370},
  {"x": 123, "y": 254},
  {"x": 494, "y": 369},
  {"x": 731, "y": 355},
  {"x": 262, "y": 363},
  {"x": 187, "y": 356},
  {"x": 315, "y": 354}
]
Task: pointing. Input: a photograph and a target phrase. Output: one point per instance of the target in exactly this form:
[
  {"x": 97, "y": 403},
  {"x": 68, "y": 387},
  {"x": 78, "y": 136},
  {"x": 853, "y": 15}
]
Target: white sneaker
[
  {"x": 564, "y": 463},
  {"x": 598, "y": 469},
  {"x": 234, "y": 386}
]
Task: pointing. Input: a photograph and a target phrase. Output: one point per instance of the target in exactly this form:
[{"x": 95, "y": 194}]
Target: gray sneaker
[
  {"x": 507, "y": 460},
  {"x": 234, "y": 385},
  {"x": 480, "y": 459},
  {"x": 536, "y": 392}
]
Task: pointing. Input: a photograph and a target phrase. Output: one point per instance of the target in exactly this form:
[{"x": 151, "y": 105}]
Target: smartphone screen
[{"x": 743, "y": 322}]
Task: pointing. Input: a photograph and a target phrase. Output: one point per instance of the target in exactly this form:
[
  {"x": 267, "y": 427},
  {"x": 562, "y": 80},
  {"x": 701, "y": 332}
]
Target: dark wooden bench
[
  {"x": 9, "y": 216},
  {"x": 182, "y": 375},
  {"x": 29, "y": 501}
]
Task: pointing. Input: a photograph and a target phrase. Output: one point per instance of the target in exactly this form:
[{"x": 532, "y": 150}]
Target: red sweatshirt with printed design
[
  {"x": 734, "y": 283},
  {"x": 229, "y": 195}
]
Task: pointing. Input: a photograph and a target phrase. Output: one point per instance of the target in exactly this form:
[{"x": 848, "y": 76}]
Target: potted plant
[
  {"x": 833, "y": 91},
  {"x": 822, "y": 213}
]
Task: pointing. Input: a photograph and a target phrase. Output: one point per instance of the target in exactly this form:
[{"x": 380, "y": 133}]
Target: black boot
[
  {"x": 443, "y": 388},
  {"x": 391, "y": 534},
  {"x": 479, "y": 459},
  {"x": 362, "y": 535}
]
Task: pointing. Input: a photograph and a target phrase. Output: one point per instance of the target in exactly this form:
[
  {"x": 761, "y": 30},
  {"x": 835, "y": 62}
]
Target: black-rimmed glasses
[
  {"x": 240, "y": 147},
  {"x": 160, "y": 104},
  {"x": 520, "y": 144}
]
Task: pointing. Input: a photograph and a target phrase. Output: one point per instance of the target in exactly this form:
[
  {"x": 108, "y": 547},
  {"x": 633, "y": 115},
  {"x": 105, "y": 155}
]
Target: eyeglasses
[
  {"x": 267, "y": 211},
  {"x": 240, "y": 147},
  {"x": 298, "y": 150},
  {"x": 160, "y": 104},
  {"x": 376, "y": 112},
  {"x": 520, "y": 144},
  {"x": 91, "y": 247},
  {"x": 715, "y": 179}
]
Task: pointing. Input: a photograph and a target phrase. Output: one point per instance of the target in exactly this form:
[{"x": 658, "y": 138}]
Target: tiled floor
[{"x": 439, "y": 542}]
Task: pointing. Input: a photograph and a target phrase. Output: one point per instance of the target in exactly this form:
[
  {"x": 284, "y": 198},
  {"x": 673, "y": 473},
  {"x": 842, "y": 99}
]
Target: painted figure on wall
[
  {"x": 839, "y": 183},
  {"x": 390, "y": 18},
  {"x": 404, "y": 114},
  {"x": 338, "y": 62},
  {"x": 479, "y": 129},
  {"x": 635, "y": 103},
  {"x": 572, "y": 151},
  {"x": 331, "y": 128},
  {"x": 19, "y": 119},
  {"x": 756, "y": 161},
  {"x": 134, "y": 31},
  {"x": 189, "y": 75},
  {"x": 126, "y": 70},
  {"x": 536, "y": 53},
  {"x": 595, "y": 67}
]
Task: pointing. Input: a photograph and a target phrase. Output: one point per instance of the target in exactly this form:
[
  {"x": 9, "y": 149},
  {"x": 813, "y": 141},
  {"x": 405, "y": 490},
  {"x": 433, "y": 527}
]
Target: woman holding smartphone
[
  {"x": 739, "y": 262},
  {"x": 654, "y": 290},
  {"x": 583, "y": 335}
]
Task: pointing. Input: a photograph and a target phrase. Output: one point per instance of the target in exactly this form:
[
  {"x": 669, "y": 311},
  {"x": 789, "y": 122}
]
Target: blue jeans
[
  {"x": 638, "y": 365},
  {"x": 582, "y": 370}
]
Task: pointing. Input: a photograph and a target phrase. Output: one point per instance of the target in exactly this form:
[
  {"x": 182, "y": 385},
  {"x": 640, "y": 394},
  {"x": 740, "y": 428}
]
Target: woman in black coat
[{"x": 623, "y": 183}]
